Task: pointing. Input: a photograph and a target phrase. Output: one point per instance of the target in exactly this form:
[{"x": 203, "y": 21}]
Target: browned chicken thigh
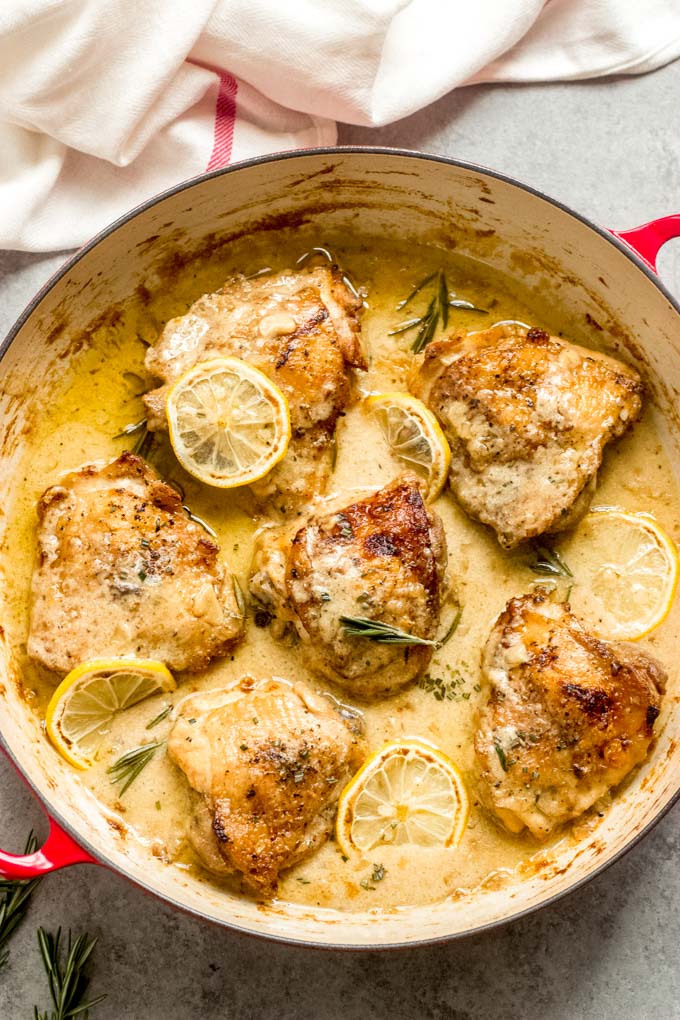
[
  {"x": 527, "y": 416},
  {"x": 381, "y": 558},
  {"x": 567, "y": 717},
  {"x": 122, "y": 570},
  {"x": 269, "y": 761},
  {"x": 302, "y": 330}
]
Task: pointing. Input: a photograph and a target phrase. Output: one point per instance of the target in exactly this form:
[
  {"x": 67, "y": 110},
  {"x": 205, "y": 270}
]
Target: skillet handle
[
  {"x": 647, "y": 240},
  {"x": 59, "y": 851}
]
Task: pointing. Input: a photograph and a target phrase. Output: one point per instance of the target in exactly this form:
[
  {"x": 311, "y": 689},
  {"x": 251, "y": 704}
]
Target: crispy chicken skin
[
  {"x": 567, "y": 717},
  {"x": 269, "y": 761},
  {"x": 382, "y": 557},
  {"x": 528, "y": 416},
  {"x": 122, "y": 570},
  {"x": 302, "y": 330}
]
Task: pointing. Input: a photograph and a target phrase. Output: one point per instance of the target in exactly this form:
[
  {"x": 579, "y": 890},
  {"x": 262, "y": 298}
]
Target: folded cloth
[{"x": 104, "y": 104}]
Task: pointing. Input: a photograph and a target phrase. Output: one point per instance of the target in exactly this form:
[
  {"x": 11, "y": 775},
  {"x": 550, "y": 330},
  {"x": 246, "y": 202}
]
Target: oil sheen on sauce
[{"x": 100, "y": 395}]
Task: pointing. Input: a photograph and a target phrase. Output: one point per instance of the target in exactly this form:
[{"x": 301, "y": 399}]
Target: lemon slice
[
  {"x": 626, "y": 569},
  {"x": 408, "y": 792},
  {"x": 83, "y": 706},
  {"x": 229, "y": 424},
  {"x": 413, "y": 435}
]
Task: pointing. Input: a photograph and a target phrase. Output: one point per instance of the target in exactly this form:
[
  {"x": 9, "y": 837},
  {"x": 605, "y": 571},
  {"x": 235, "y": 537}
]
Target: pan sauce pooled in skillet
[
  {"x": 302, "y": 330},
  {"x": 568, "y": 715},
  {"x": 269, "y": 760},
  {"x": 122, "y": 570},
  {"x": 435, "y": 694},
  {"x": 528, "y": 416},
  {"x": 382, "y": 558}
]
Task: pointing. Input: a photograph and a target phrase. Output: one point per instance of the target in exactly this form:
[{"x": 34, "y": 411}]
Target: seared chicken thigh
[
  {"x": 302, "y": 330},
  {"x": 122, "y": 570},
  {"x": 269, "y": 761},
  {"x": 568, "y": 715},
  {"x": 528, "y": 416},
  {"x": 381, "y": 558}
]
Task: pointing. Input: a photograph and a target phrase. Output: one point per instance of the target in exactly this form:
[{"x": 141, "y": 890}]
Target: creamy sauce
[{"x": 100, "y": 395}]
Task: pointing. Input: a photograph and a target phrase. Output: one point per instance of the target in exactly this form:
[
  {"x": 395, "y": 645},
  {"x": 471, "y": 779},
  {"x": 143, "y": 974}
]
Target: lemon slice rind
[
  {"x": 229, "y": 424},
  {"x": 414, "y": 435},
  {"x": 84, "y": 704},
  {"x": 407, "y": 792}
]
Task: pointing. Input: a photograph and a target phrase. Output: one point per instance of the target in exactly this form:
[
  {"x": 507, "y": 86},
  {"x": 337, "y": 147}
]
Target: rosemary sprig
[
  {"x": 15, "y": 902},
  {"x": 66, "y": 977},
  {"x": 373, "y": 630},
  {"x": 548, "y": 562},
  {"x": 126, "y": 769},
  {"x": 437, "y": 311}
]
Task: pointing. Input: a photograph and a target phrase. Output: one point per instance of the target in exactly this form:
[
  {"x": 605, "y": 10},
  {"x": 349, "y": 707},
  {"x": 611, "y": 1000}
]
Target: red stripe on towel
[{"x": 225, "y": 116}]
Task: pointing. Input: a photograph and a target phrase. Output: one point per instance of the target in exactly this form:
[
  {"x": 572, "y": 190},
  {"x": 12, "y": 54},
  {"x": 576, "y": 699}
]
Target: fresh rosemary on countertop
[
  {"x": 66, "y": 975},
  {"x": 547, "y": 562},
  {"x": 126, "y": 769},
  {"x": 16, "y": 898},
  {"x": 436, "y": 313},
  {"x": 383, "y": 633}
]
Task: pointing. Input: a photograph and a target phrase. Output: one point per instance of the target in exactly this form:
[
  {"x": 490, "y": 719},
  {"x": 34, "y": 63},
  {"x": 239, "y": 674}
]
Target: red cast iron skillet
[{"x": 601, "y": 278}]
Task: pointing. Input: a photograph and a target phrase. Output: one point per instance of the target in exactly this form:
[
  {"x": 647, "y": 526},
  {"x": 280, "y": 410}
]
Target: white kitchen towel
[{"x": 104, "y": 103}]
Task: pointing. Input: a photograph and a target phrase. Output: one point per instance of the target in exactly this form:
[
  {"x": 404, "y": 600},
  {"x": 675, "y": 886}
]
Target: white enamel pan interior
[{"x": 566, "y": 260}]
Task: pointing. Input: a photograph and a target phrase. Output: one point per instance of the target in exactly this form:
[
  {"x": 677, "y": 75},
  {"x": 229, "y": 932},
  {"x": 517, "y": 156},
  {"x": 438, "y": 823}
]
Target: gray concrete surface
[{"x": 611, "y": 149}]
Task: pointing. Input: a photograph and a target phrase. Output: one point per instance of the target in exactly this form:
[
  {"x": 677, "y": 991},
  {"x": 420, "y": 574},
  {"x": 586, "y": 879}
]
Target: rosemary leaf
[
  {"x": 383, "y": 633},
  {"x": 323, "y": 252},
  {"x": 501, "y": 757},
  {"x": 143, "y": 445},
  {"x": 416, "y": 290},
  {"x": 159, "y": 718},
  {"x": 126, "y": 769},
  {"x": 239, "y": 596},
  {"x": 199, "y": 520},
  {"x": 466, "y": 305},
  {"x": 452, "y": 628},
  {"x": 66, "y": 975},
  {"x": 443, "y": 299},
  {"x": 326, "y": 254},
  {"x": 15, "y": 902},
  {"x": 130, "y": 430},
  {"x": 404, "y": 327},
  {"x": 547, "y": 562}
]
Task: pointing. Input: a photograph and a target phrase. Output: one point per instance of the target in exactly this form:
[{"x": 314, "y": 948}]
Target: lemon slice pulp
[
  {"x": 84, "y": 704},
  {"x": 408, "y": 792},
  {"x": 626, "y": 569},
  {"x": 414, "y": 435},
  {"x": 229, "y": 424}
]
